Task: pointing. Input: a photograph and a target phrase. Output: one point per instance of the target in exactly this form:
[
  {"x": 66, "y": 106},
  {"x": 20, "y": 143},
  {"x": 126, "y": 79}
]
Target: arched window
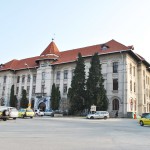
[{"x": 115, "y": 104}]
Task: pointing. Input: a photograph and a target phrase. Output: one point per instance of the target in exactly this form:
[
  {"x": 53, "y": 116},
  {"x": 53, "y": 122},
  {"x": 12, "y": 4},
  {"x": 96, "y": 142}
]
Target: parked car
[
  {"x": 98, "y": 115},
  {"x": 57, "y": 113},
  {"x": 4, "y": 113},
  {"x": 13, "y": 112},
  {"x": 48, "y": 112},
  {"x": 145, "y": 120},
  {"x": 144, "y": 114},
  {"x": 26, "y": 113},
  {"x": 38, "y": 112}
]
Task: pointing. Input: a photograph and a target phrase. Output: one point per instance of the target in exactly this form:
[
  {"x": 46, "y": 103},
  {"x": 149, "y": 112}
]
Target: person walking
[{"x": 116, "y": 114}]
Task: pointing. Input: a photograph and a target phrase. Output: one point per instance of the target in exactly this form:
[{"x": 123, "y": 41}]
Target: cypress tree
[
  {"x": 12, "y": 98},
  {"x": 96, "y": 93},
  {"x": 24, "y": 102},
  {"x": 76, "y": 92},
  {"x": 53, "y": 97},
  {"x": 58, "y": 97},
  {"x": 93, "y": 81},
  {"x": 15, "y": 101}
]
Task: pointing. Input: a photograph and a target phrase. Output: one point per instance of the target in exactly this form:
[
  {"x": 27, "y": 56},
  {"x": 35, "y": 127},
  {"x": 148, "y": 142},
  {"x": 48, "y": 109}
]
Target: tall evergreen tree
[
  {"x": 76, "y": 92},
  {"x": 55, "y": 97},
  {"x": 24, "y": 102},
  {"x": 93, "y": 81},
  {"x": 12, "y": 98},
  {"x": 58, "y": 97},
  {"x": 16, "y": 101},
  {"x": 102, "y": 100},
  {"x": 96, "y": 93}
]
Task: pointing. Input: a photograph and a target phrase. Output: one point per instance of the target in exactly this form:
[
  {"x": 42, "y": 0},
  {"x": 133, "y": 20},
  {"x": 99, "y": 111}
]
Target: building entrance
[{"x": 42, "y": 106}]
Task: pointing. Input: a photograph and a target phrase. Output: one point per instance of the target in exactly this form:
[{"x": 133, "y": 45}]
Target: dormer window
[{"x": 104, "y": 47}]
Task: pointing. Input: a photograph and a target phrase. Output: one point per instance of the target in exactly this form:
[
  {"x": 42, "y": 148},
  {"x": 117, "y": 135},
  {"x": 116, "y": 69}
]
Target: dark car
[
  {"x": 4, "y": 113},
  {"x": 144, "y": 114}
]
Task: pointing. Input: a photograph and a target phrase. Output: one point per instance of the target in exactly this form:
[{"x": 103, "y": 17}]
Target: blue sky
[{"x": 27, "y": 26}]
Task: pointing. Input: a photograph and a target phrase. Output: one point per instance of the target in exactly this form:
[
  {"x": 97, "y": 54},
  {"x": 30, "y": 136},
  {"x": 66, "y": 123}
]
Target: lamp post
[{"x": 30, "y": 90}]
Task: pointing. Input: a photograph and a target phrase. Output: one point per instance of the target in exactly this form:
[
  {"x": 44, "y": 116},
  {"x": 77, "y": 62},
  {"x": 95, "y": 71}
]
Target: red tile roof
[
  {"x": 52, "y": 52},
  {"x": 51, "y": 49}
]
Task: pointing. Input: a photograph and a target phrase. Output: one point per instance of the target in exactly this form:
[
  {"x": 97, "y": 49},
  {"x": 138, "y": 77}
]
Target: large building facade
[{"x": 126, "y": 74}]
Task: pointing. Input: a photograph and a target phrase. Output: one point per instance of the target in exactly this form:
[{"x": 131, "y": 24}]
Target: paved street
[{"x": 73, "y": 134}]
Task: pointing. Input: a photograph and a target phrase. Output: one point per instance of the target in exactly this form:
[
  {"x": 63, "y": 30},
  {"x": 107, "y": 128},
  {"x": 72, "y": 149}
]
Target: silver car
[
  {"x": 13, "y": 112},
  {"x": 98, "y": 115}
]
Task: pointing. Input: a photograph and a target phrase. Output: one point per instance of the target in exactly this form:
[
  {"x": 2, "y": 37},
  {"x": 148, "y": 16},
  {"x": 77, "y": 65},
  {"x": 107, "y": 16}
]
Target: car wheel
[
  {"x": 105, "y": 117},
  {"x": 5, "y": 113},
  {"x": 4, "y": 119},
  {"x": 91, "y": 117},
  {"x": 14, "y": 118},
  {"x": 141, "y": 123},
  {"x": 31, "y": 117}
]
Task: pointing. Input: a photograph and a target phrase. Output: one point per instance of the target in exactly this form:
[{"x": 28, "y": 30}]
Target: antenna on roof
[{"x": 53, "y": 37}]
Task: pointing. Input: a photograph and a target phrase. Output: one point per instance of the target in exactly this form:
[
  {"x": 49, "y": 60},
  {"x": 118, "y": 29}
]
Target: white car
[
  {"x": 98, "y": 115},
  {"x": 48, "y": 112},
  {"x": 39, "y": 113},
  {"x": 13, "y": 112}
]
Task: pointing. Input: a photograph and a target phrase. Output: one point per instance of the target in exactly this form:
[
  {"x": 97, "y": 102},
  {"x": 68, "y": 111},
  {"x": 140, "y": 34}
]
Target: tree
[
  {"x": 102, "y": 100},
  {"x": 24, "y": 102},
  {"x": 93, "y": 81},
  {"x": 76, "y": 92},
  {"x": 55, "y": 97},
  {"x": 12, "y": 100},
  {"x": 15, "y": 101},
  {"x": 96, "y": 93}
]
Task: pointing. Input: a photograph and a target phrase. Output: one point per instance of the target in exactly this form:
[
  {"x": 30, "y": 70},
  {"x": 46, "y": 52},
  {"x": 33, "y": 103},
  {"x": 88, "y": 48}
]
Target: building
[{"x": 126, "y": 74}]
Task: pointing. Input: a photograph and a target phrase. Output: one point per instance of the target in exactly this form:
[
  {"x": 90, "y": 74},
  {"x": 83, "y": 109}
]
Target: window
[
  {"x": 22, "y": 88},
  {"x": 104, "y": 47},
  {"x": 33, "y": 90},
  {"x": 134, "y": 71},
  {"x": 28, "y": 88},
  {"x": 130, "y": 68},
  {"x": 134, "y": 87},
  {"x": 58, "y": 75},
  {"x": 18, "y": 79},
  {"x": 5, "y": 77},
  {"x": 115, "y": 104},
  {"x": 43, "y": 75},
  {"x": 34, "y": 78},
  {"x": 115, "y": 67},
  {"x": 42, "y": 89},
  {"x": 23, "y": 78},
  {"x": 130, "y": 85},
  {"x": 17, "y": 90},
  {"x": 65, "y": 74},
  {"x": 144, "y": 99},
  {"x": 143, "y": 73},
  {"x": 115, "y": 84},
  {"x": 28, "y": 78},
  {"x": 3, "y": 92},
  {"x": 65, "y": 89}
]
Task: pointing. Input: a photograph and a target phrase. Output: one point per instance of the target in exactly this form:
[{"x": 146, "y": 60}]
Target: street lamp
[{"x": 31, "y": 80}]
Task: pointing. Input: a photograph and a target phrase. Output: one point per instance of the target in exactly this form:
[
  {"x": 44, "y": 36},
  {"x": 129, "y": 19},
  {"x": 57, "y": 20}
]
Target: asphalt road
[{"x": 45, "y": 133}]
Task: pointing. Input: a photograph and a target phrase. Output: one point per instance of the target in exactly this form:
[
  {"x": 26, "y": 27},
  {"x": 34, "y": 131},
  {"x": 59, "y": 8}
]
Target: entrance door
[{"x": 42, "y": 106}]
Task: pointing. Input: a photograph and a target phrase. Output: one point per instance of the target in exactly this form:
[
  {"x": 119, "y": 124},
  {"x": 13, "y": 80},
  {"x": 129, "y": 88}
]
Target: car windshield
[
  {"x": 22, "y": 110},
  {"x": 29, "y": 110},
  {"x": 14, "y": 109}
]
